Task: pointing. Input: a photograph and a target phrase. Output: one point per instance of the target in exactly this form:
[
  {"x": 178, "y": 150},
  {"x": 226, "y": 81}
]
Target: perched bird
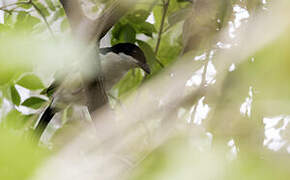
[{"x": 115, "y": 62}]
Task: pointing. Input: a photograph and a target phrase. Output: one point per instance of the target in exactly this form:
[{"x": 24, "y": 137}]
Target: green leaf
[
  {"x": 32, "y": 21},
  {"x": 15, "y": 95},
  {"x": 1, "y": 102},
  {"x": 8, "y": 18},
  {"x": 31, "y": 82},
  {"x": 181, "y": 1},
  {"x": 26, "y": 21},
  {"x": 5, "y": 90},
  {"x": 173, "y": 6},
  {"x": 19, "y": 157},
  {"x": 50, "y": 5},
  {"x": 15, "y": 119},
  {"x": 21, "y": 15},
  {"x": 4, "y": 28},
  {"x": 42, "y": 8},
  {"x": 116, "y": 33},
  {"x": 127, "y": 34},
  {"x": 150, "y": 56},
  {"x": 129, "y": 82},
  {"x": 148, "y": 51},
  {"x": 123, "y": 33},
  {"x": 157, "y": 12},
  {"x": 138, "y": 16},
  {"x": 61, "y": 11},
  {"x": 147, "y": 28},
  {"x": 57, "y": 14},
  {"x": 64, "y": 25},
  {"x": 178, "y": 16},
  {"x": 25, "y": 6},
  {"x": 33, "y": 102}
]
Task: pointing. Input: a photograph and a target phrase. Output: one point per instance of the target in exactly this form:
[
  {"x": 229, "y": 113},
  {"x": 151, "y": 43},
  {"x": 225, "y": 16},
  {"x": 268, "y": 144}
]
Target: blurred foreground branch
[{"x": 113, "y": 138}]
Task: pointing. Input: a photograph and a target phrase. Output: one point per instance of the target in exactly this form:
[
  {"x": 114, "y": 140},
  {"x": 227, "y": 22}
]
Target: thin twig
[
  {"x": 165, "y": 8},
  {"x": 43, "y": 17}
]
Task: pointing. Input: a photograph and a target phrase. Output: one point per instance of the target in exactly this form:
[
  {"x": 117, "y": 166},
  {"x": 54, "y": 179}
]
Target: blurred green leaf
[
  {"x": 182, "y": 1},
  {"x": 64, "y": 25},
  {"x": 146, "y": 28},
  {"x": 15, "y": 95},
  {"x": 15, "y": 119},
  {"x": 58, "y": 14},
  {"x": 1, "y": 102},
  {"x": 41, "y": 7},
  {"x": 31, "y": 81},
  {"x": 61, "y": 11},
  {"x": 33, "y": 102},
  {"x": 138, "y": 16},
  {"x": 157, "y": 12},
  {"x": 25, "y": 5},
  {"x": 21, "y": 15},
  {"x": 50, "y": 4},
  {"x": 129, "y": 82},
  {"x": 32, "y": 21},
  {"x": 8, "y": 18},
  {"x": 5, "y": 90},
  {"x": 174, "y": 5},
  {"x": 178, "y": 16},
  {"x": 19, "y": 158},
  {"x": 25, "y": 21}
]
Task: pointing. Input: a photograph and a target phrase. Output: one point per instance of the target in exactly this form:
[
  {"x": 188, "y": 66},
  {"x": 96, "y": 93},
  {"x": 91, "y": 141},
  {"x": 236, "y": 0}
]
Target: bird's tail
[{"x": 43, "y": 121}]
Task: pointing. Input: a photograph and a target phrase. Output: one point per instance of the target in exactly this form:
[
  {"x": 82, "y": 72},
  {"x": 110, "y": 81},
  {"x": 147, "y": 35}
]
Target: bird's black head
[{"x": 133, "y": 51}]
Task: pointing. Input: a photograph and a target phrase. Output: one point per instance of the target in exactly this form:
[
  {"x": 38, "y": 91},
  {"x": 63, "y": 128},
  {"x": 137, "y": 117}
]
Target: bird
[{"x": 115, "y": 62}]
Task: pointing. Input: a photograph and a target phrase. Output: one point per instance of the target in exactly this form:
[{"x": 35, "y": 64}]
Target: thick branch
[
  {"x": 73, "y": 12},
  {"x": 110, "y": 17},
  {"x": 92, "y": 30}
]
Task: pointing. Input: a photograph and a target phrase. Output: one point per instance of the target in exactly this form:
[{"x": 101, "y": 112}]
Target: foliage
[
  {"x": 18, "y": 157},
  {"x": 239, "y": 98}
]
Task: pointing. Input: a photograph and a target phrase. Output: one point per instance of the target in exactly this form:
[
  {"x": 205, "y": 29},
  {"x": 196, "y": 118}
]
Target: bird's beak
[{"x": 145, "y": 67}]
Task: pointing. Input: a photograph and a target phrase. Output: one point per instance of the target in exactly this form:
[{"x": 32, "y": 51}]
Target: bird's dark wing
[
  {"x": 45, "y": 118},
  {"x": 96, "y": 94}
]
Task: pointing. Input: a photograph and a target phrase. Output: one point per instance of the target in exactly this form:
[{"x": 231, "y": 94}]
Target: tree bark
[{"x": 92, "y": 30}]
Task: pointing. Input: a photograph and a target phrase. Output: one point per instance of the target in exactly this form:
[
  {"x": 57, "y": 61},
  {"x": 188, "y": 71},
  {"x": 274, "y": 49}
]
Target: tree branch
[
  {"x": 165, "y": 8},
  {"x": 111, "y": 16},
  {"x": 93, "y": 30},
  {"x": 73, "y": 12}
]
